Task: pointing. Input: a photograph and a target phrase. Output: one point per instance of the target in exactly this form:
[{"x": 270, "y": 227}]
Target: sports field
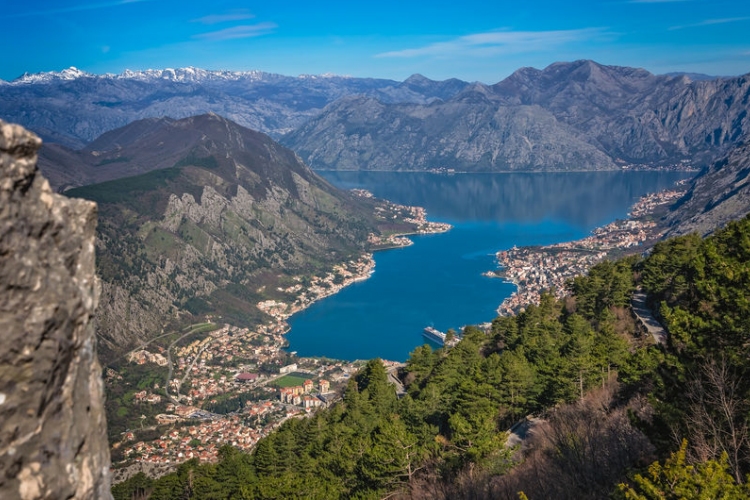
[{"x": 290, "y": 380}]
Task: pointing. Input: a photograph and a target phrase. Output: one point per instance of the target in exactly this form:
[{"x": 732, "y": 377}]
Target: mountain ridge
[
  {"x": 600, "y": 117},
  {"x": 73, "y": 107}
]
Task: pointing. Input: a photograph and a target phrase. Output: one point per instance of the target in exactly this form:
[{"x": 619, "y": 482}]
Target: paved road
[
  {"x": 393, "y": 379},
  {"x": 644, "y": 315}
]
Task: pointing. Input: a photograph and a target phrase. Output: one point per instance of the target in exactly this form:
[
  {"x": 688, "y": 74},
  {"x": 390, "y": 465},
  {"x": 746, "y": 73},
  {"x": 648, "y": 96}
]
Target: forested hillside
[{"x": 609, "y": 401}]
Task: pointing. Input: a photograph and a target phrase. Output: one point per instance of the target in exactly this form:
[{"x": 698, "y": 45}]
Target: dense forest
[{"x": 600, "y": 408}]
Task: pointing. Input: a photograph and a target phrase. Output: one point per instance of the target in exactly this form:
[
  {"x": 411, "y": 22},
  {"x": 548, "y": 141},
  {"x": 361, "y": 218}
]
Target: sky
[{"x": 474, "y": 41}]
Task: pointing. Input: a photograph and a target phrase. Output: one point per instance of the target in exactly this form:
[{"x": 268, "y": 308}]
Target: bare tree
[{"x": 717, "y": 416}]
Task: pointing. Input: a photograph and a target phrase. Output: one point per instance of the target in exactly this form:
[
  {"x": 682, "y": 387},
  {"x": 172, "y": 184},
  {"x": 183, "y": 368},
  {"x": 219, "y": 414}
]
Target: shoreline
[
  {"x": 351, "y": 271},
  {"x": 537, "y": 269}
]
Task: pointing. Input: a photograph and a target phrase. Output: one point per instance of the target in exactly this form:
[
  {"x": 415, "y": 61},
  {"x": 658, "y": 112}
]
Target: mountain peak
[
  {"x": 71, "y": 73},
  {"x": 417, "y": 78}
]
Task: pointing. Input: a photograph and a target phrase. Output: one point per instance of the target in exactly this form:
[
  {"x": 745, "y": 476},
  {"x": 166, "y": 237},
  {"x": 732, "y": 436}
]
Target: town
[
  {"x": 231, "y": 385},
  {"x": 227, "y": 388},
  {"x": 547, "y": 268}
]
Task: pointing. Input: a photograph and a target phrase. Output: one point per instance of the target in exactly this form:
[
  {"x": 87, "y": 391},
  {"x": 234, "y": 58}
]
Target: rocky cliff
[
  {"x": 716, "y": 196},
  {"x": 53, "y": 438}
]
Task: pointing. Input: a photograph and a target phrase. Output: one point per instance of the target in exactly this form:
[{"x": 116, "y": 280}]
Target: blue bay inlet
[{"x": 438, "y": 281}]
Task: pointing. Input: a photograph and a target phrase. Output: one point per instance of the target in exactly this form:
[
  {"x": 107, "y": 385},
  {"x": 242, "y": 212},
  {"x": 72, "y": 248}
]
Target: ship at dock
[{"x": 439, "y": 337}]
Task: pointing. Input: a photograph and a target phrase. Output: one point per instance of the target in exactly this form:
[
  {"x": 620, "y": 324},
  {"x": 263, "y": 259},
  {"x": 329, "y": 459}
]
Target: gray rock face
[
  {"x": 579, "y": 115},
  {"x": 52, "y": 433},
  {"x": 717, "y": 196}
]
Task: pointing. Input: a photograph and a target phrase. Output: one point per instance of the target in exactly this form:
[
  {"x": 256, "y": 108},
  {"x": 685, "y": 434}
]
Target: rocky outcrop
[
  {"x": 52, "y": 433},
  {"x": 718, "y": 195}
]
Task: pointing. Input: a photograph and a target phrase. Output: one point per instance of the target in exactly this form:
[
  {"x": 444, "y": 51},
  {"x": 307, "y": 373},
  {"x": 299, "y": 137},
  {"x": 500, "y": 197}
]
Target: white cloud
[
  {"x": 73, "y": 8},
  {"x": 237, "y": 15},
  {"x": 710, "y": 22},
  {"x": 501, "y": 42},
  {"x": 244, "y": 31}
]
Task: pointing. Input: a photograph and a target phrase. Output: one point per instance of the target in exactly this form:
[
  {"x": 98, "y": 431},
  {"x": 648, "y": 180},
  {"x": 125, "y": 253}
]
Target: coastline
[
  {"x": 351, "y": 271},
  {"x": 537, "y": 269}
]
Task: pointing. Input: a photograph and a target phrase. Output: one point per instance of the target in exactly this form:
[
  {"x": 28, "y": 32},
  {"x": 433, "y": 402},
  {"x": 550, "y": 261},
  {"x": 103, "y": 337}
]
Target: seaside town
[
  {"x": 227, "y": 388},
  {"x": 231, "y": 385},
  {"x": 537, "y": 269},
  {"x": 409, "y": 214}
]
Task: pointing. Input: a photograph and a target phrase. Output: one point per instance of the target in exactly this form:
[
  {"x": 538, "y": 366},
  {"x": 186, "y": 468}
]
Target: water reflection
[{"x": 588, "y": 198}]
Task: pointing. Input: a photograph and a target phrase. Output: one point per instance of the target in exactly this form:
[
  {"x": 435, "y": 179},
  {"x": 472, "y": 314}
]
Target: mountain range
[
  {"x": 73, "y": 107},
  {"x": 577, "y": 115},
  {"x": 580, "y": 115}
]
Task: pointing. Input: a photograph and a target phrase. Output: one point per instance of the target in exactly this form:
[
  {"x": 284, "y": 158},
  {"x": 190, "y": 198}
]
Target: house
[
  {"x": 153, "y": 398},
  {"x": 325, "y": 386},
  {"x": 288, "y": 368},
  {"x": 308, "y": 386},
  {"x": 311, "y": 402},
  {"x": 246, "y": 377},
  {"x": 185, "y": 411}
]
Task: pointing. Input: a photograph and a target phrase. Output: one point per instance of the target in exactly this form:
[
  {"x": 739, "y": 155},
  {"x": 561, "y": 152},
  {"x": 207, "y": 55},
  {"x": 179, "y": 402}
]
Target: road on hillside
[{"x": 647, "y": 319}]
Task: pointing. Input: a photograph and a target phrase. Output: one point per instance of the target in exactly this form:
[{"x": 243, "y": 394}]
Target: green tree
[{"x": 678, "y": 480}]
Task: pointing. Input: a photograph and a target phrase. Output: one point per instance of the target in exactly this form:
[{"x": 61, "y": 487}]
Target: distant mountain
[
  {"x": 231, "y": 220},
  {"x": 692, "y": 76},
  {"x": 73, "y": 107},
  {"x": 579, "y": 115},
  {"x": 718, "y": 195}
]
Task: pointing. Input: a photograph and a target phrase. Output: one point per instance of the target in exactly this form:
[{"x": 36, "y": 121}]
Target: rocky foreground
[{"x": 53, "y": 439}]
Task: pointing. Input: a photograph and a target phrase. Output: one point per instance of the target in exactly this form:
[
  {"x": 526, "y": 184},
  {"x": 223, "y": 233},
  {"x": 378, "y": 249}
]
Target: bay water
[{"x": 438, "y": 281}]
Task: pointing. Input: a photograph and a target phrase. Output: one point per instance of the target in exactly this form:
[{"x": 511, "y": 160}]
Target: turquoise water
[{"x": 438, "y": 281}]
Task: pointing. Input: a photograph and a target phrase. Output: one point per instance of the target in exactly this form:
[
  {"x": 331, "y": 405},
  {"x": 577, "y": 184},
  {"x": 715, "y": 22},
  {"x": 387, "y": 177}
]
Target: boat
[{"x": 438, "y": 337}]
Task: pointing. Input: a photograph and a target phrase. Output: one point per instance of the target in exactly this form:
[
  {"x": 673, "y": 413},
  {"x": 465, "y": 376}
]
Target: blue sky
[{"x": 474, "y": 41}]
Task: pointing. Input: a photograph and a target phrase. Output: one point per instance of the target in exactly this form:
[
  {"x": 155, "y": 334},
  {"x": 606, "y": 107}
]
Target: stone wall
[{"x": 53, "y": 441}]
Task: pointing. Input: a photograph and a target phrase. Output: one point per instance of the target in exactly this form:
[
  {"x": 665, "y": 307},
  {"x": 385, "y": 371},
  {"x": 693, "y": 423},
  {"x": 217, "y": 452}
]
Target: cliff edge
[{"x": 53, "y": 433}]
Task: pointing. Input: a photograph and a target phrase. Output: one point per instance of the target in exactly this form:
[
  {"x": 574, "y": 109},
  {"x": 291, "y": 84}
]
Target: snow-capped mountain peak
[
  {"x": 71, "y": 73},
  {"x": 188, "y": 74}
]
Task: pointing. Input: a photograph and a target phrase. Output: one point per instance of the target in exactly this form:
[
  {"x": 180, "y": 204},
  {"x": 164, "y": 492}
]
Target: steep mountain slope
[
  {"x": 633, "y": 114},
  {"x": 579, "y": 115},
  {"x": 471, "y": 132},
  {"x": 232, "y": 220},
  {"x": 73, "y": 107},
  {"x": 718, "y": 195}
]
